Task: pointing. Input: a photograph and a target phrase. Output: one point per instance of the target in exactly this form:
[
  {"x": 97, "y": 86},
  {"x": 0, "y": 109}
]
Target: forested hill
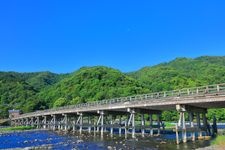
[
  {"x": 34, "y": 91},
  {"x": 20, "y": 90},
  {"x": 182, "y": 72},
  {"x": 90, "y": 84}
]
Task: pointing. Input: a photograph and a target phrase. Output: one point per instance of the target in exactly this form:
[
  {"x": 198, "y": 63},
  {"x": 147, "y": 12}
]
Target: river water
[{"x": 61, "y": 141}]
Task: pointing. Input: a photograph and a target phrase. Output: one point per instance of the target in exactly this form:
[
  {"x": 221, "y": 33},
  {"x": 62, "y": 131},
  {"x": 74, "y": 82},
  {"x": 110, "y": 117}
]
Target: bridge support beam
[
  {"x": 191, "y": 123},
  {"x": 143, "y": 124},
  {"x": 198, "y": 118},
  {"x": 74, "y": 124},
  {"x": 89, "y": 124},
  {"x": 22, "y": 122},
  {"x": 44, "y": 122},
  {"x": 53, "y": 123},
  {"x": 111, "y": 123},
  {"x": 151, "y": 124},
  {"x": 65, "y": 122},
  {"x": 159, "y": 123},
  {"x": 101, "y": 121},
  {"x": 80, "y": 121},
  {"x": 31, "y": 122},
  {"x": 59, "y": 123},
  {"x": 132, "y": 120},
  {"x": 27, "y": 122},
  {"x": 120, "y": 124},
  {"x": 214, "y": 126},
  {"x": 37, "y": 122}
]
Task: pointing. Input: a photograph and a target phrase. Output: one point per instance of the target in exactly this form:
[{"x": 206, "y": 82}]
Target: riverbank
[
  {"x": 217, "y": 144},
  {"x": 15, "y": 129}
]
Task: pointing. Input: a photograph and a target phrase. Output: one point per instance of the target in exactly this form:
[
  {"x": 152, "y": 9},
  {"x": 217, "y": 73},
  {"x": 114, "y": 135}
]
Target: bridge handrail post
[
  {"x": 188, "y": 91},
  {"x": 206, "y": 89},
  {"x": 218, "y": 88},
  {"x": 146, "y": 96}
]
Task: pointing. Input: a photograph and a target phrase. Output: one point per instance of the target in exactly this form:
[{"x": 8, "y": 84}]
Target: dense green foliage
[
  {"x": 19, "y": 90},
  {"x": 91, "y": 84},
  {"x": 33, "y": 91},
  {"x": 182, "y": 73}
]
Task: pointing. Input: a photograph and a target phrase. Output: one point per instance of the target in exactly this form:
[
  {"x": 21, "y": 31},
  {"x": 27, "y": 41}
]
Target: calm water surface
[{"x": 92, "y": 141}]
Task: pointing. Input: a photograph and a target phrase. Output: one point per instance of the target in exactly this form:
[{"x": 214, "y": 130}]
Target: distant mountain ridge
[{"x": 41, "y": 90}]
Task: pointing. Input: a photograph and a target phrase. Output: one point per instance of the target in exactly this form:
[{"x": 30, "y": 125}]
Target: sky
[{"x": 62, "y": 36}]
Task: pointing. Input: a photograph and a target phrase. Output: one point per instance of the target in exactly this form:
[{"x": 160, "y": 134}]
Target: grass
[
  {"x": 169, "y": 125},
  {"x": 19, "y": 128},
  {"x": 220, "y": 140}
]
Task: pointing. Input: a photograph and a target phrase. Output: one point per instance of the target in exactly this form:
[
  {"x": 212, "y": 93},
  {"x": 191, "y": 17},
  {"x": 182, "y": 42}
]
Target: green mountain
[
  {"x": 41, "y": 79},
  {"x": 19, "y": 90},
  {"x": 15, "y": 93},
  {"x": 91, "y": 84},
  {"x": 41, "y": 90},
  {"x": 182, "y": 73}
]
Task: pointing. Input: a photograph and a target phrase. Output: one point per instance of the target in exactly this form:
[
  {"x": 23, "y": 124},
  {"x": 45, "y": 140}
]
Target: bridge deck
[{"x": 212, "y": 96}]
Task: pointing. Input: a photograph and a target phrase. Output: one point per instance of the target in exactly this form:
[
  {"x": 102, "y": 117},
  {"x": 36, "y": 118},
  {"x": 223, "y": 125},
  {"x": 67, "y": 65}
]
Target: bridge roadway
[{"x": 193, "y": 101}]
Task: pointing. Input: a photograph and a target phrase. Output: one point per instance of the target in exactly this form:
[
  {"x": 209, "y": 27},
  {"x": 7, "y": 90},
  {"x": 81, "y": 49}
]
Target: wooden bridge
[{"x": 125, "y": 112}]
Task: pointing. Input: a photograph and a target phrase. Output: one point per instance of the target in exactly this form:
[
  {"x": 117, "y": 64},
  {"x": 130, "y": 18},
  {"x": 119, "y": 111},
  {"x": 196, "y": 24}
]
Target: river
[{"x": 54, "y": 140}]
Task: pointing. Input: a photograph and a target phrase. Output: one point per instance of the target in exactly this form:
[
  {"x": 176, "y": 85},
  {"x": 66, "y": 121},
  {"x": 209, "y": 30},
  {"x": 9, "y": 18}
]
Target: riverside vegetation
[
  {"x": 19, "y": 128},
  {"x": 42, "y": 90}
]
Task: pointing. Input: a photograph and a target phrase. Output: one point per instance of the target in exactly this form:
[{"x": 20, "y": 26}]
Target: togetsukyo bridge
[{"x": 123, "y": 113}]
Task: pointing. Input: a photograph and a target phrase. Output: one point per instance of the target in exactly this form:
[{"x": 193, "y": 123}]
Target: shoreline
[{"x": 19, "y": 131}]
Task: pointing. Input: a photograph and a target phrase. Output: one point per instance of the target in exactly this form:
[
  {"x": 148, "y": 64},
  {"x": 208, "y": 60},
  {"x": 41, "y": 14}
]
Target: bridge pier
[
  {"x": 44, "y": 122},
  {"x": 20, "y": 122},
  {"x": 143, "y": 124},
  {"x": 184, "y": 128},
  {"x": 132, "y": 120},
  {"x": 158, "y": 123},
  {"x": 74, "y": 125},
  {"x": 198, "y": 118},
  {"x": 59, "y": 119},
  {"x": 100, "y": 121},
  {"x": 80, "y": 122},
  {"x": 191, "y": 123},
  {"x": 89, "y": 124},
  {"x": 30, "y": 122},
  {"x": 27, "y": 122},
  {"x": 111, "y": 123},
  {"x": 37, "y": 122},
  {"x": 62, "y": 124},
  {"x": 53, "y": 122},
  {"x": 120, "y": 124},
  {"x": 65, "y": 122},
  {"x": 151, "y": 124},
  {"x": 214, "y": 126}
]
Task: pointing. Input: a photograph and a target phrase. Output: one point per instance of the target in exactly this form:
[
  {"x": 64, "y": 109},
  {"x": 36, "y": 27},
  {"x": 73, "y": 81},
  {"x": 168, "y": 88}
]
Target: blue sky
[{"x": 62, "y": 36}]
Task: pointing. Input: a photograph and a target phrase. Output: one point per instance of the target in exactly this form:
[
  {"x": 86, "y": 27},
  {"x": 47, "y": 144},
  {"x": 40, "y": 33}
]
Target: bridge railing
[{"x": 187, "y": 92}]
